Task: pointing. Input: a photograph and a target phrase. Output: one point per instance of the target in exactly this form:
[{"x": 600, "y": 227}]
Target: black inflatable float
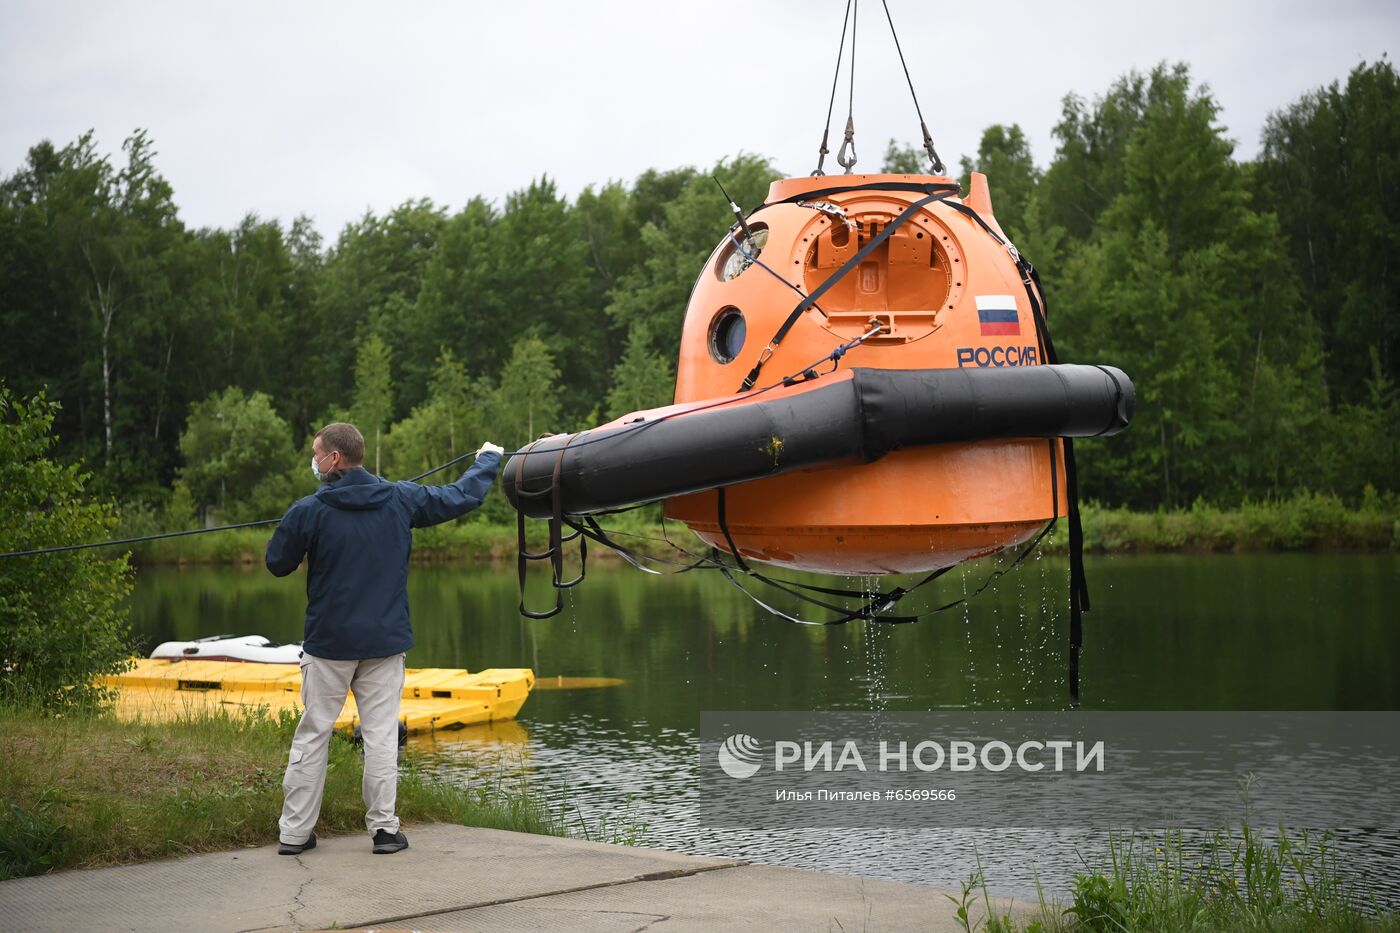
[{"x": 859, "y": 413}]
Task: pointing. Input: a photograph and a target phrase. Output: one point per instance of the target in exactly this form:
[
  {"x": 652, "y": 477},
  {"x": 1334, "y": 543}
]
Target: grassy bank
[
  {"x": 469, "y": 539},
  {"x": 466, "y": 541},
  {"x": 1309, "y": 522},
  {"x": 1235, "y": 880},
  {"x": 88, "y": 790}
]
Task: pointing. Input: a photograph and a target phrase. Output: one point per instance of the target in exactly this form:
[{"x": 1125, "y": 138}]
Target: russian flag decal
[{"x": 997, "y": 315}]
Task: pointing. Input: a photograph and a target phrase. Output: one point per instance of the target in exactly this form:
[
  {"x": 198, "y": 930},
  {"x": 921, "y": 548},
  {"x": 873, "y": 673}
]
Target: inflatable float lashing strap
[
  {"x": 555, "y": 552},
  {"x": 873, "y": 605},
  {"x": 599, "y": 533},
  {"x": 1078, "y": 581},
  {"x": 946, "y": 188},
  {"x": 839, "y": 274},
  {"x": 712, "y": 562},
  {"x": 558, "y": 538}
]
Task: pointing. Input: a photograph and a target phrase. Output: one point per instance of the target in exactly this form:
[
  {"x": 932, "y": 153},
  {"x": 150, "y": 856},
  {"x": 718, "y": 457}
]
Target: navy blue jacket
[{"x": 355, "y": 534}]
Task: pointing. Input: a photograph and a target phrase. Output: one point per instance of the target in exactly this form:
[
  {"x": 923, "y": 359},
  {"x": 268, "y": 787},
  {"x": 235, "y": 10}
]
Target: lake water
[{"x": 1168, "y": 632}]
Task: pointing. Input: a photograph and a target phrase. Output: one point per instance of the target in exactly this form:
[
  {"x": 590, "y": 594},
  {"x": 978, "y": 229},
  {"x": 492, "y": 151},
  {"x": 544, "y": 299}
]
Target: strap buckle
[
  {"x": 1022, "y": 265},
  {"x": 834, "y": 211}
]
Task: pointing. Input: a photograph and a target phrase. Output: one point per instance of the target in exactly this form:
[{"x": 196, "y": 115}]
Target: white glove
[{"x": 489, "y": 447}]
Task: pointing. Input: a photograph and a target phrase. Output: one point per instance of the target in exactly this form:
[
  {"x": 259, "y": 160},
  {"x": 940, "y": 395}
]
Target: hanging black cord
[
  {"x": 831, "y": 104},
  {"x": 882, "y": 602},
  {"x": 935, "y": 162},
  {"x": 743, "y": 224},
  {"x": 753, "y": 258},
  {"x": 872, "y": 605},
  {"x": 1078, "y": 579},
  {"x": 194, "y": 531},
  {"x": 138, "y": 540},
  {"x": 611, "y": 436}
]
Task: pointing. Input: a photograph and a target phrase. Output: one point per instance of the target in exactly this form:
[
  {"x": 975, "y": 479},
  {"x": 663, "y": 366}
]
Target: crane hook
[{"x": 846, "y": 156}]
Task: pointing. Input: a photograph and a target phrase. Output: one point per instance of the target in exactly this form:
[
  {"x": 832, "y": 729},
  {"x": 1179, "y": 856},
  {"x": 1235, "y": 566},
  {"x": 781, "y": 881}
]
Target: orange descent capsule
[{"x": 944, "y": 294}]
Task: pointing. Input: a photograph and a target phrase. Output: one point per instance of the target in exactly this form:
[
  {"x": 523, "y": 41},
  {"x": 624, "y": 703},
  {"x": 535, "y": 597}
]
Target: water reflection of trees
[{"x": 1167, "y": 632}]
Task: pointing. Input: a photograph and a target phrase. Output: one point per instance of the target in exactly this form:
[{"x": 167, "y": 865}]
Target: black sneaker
[
  {"x": 289, "y": 848},
  {"x": 387, "y": 843}
]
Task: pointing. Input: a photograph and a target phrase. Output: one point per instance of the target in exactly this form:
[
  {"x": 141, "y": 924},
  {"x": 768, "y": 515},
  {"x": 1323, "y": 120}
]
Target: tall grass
[
  {"x": 88, "y": 790},
  {"x": 1229, "y": 880}
]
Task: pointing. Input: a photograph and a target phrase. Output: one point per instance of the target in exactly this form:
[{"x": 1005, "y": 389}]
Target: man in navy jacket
[{"x": 355, "y": 534}]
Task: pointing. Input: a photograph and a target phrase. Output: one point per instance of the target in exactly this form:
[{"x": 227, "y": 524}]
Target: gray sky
[{"x": 331, "y": 108}]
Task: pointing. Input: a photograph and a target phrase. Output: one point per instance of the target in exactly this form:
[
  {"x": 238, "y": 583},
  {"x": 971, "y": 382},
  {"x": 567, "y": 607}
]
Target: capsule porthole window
[
  {"x": 736, "y": 260},
  {"x": 727, "y": 333}
]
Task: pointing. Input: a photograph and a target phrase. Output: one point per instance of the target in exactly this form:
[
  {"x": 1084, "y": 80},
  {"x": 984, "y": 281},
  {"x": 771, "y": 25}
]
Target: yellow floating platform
[{"x": 433, "y": 697}]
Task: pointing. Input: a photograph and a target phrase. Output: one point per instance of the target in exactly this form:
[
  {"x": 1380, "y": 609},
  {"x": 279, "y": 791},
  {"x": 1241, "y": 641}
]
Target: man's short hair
[{"x": 345, "y": 438}]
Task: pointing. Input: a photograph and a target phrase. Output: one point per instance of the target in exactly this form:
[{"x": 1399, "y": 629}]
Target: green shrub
[{"x": 62, "y": 622}]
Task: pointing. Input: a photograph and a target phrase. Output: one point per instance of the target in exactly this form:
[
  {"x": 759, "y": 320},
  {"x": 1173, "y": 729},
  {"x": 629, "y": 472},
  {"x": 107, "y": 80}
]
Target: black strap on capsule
[
  {"x": 933, "y": 192},
  {"x": 554, "y": 552},
  {"x": 872, "y": 606}
]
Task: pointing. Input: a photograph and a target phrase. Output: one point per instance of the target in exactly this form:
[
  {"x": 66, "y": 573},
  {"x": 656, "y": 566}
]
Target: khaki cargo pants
[{"x": 377, "y": 684}]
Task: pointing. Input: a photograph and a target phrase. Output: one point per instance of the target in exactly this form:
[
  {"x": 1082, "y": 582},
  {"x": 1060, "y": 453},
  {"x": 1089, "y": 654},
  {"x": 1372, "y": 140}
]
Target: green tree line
[{"x": 1254, "y": 303}]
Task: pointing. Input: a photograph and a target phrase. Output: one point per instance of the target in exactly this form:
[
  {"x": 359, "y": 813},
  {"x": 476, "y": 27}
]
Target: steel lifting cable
[
  {"x": 846, "y": 155},
  {"x": 934, "y": 161},
  {"x": 831, "y": 104}
]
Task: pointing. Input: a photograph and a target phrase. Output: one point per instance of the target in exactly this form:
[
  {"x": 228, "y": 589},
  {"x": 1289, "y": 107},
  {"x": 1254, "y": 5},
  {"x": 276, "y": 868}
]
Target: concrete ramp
[{"x": 457, "y": 878}]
